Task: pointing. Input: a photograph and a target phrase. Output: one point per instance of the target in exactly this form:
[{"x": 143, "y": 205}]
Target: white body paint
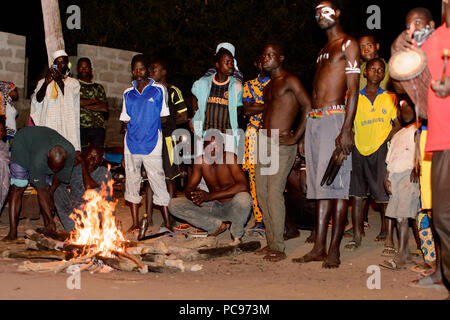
[
  {"x": 345, "y": 45},
  {"x": 323, "y": 56},
  {"x": 352, "y": 68}
]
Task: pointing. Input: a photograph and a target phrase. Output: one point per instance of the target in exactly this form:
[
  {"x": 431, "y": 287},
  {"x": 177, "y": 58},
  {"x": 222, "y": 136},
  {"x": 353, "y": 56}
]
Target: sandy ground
[{"x": 239, "y": 277}]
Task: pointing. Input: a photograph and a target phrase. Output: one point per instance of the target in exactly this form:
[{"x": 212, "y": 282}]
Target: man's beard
[{"x": 326, "y": 27}]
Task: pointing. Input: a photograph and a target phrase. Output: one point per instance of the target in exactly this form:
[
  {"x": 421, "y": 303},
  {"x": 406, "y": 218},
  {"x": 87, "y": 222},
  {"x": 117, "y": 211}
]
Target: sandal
[
  {"x": 420, "y": 268},
  {"x": 388, "y": 252},
  {"x": 275, "y": 256},
  {"x": 183, "y": 227},
  {"x": 351, "y": 246},
  {"x": 263, "y": 251},
  {"x": 425, "y": 283},
  {"x": 380, "y": 237},
  {"x": 391, "y": 265}
]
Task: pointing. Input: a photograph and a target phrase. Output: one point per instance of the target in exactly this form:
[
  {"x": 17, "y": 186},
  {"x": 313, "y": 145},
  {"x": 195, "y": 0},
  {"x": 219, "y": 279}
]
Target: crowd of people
[{"x": 360, "y": 139}]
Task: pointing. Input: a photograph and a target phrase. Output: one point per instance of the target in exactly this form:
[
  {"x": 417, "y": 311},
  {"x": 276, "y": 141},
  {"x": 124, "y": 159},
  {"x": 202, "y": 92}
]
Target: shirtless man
[
  {"x": 228, "y": 200},
  {"x": 329, "y": 126},
  {"x": 283, "y": 97}
]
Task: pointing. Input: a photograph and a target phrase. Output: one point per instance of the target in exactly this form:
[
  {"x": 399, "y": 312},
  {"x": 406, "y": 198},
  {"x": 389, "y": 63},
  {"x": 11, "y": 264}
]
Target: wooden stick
[
  {"x": 33, "y": 254},
  {"x": 141, "y": 266},
  {"x": 53, "y": 266}
]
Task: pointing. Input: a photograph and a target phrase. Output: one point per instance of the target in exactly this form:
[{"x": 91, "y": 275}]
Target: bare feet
[
  {"x": 311, "y": 238},
  {"x": 380, "y": 237},
  {"x": 10, "y": 237},
  {"x": 235, "y": 242},
  {"x": 275, "y": 256},
  {"x": 133, "y": 228},
  {"x": 224, "y": 226},
  {"x": 311, "y": 256},
  {"x": 331, "y": 262},
  {"x": 51, "y": 227}
]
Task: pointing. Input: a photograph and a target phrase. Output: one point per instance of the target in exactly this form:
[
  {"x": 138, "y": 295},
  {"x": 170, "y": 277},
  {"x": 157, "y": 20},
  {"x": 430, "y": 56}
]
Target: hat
[
  {"x": 59, "y": 53},
  {"x": 228, "y": 46}
]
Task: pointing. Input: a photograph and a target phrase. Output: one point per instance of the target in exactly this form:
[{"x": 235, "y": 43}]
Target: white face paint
[
  {"x": 352, "y": 68},
  {"x": 326, "y": 12}
]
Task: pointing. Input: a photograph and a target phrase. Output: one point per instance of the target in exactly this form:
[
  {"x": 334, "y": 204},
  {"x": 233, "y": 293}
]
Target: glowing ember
[{"x": 95, "y": 225}]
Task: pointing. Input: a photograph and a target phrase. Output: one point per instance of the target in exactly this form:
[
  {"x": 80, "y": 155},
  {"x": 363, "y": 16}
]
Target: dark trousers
[
  {"x": 440, "y": 194},
  {"x": 94, "y": 136}
]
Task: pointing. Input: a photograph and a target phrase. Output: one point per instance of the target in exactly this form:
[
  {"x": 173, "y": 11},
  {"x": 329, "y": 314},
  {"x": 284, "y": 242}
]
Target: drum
[
  {"x": 406, "y": 65},
  {"x": 410, "y": 68}
]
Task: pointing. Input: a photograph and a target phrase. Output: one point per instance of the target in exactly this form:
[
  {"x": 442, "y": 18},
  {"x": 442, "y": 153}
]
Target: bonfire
[{"x": 98, "y": 245}]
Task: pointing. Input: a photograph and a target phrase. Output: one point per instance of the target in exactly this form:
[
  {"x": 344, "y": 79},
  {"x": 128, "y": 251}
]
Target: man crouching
[{"x": 228, "y": 201}]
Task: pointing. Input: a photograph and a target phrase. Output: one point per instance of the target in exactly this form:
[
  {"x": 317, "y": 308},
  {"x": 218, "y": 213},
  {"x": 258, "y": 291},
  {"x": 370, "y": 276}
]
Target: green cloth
[
  {"x": 89, "y": 118},
  {"x": 30, "y": 148},
  {"x": 385, "y": 84}
]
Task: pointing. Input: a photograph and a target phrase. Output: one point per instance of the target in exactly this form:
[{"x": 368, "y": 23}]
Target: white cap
[
  {"x": 229, "y": 47},
  {"x": 59, "y": 53}
]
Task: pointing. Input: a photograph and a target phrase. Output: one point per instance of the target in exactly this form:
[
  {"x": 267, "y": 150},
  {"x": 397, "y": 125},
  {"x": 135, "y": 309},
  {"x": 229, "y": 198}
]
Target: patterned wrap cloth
[{"x": 253, "y": 93}]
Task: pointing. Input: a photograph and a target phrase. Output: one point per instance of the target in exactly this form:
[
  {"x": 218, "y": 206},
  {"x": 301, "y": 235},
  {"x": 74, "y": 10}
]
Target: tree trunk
[{"x": 52, "y": 25}]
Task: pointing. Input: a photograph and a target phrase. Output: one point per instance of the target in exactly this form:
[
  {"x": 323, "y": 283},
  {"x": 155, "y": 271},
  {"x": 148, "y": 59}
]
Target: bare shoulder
[
  {"x": 349, "y": 44},
  {"x": 293, "y": 81}
]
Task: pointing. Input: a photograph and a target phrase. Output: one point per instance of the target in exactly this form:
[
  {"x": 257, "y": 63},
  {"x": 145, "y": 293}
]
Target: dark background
[{"x": 186, "y": 32}]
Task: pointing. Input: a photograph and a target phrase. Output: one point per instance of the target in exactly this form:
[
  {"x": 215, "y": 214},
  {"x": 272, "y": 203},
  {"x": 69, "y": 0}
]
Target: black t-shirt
[
  {"x": 176, "y": 105},
  {"x": 217, "y": 114}
]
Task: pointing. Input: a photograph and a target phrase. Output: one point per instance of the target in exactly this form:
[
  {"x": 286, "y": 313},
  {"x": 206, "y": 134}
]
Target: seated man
[
  {"x": 228, "y": 200},
  {"x": 87, "y": 174},
  {"x": 44, "y": 158}
]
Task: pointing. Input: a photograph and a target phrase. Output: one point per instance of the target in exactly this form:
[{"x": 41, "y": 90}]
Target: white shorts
[{"x": 153, "y": 166}]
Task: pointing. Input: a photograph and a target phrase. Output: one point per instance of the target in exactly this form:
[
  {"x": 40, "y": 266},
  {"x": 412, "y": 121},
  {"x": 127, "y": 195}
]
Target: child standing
[
  {"x": 401, "y": 182},
  {"x": 373, "y": 129}
]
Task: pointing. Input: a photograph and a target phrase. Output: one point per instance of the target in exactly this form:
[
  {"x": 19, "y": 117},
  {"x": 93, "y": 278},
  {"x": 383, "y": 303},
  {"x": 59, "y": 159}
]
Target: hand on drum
[
  {"x": 404, "y": 42},
  {"x": 442, "y": 90}
]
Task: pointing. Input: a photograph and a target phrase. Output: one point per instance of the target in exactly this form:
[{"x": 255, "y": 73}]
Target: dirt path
[{"x": 239, "y": 277}]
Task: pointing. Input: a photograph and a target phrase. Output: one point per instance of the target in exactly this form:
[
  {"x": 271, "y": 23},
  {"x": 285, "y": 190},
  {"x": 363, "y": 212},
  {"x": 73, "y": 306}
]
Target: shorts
[
  {"x": 404, "y": 200},
  {"x": 20, "y": 176},
  {"x": 322, "y": 128},
  {"x": 171, "y": 170},
  {"x": 368, "y": 174}
]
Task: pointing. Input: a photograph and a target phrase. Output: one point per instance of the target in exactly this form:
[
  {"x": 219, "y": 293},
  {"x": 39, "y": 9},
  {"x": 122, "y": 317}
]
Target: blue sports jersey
[{"x": 143, "y": 111}]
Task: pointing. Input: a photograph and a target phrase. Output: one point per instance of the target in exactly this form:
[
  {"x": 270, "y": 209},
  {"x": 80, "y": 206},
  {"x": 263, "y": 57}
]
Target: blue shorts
[{"x": 20, "y": 175}]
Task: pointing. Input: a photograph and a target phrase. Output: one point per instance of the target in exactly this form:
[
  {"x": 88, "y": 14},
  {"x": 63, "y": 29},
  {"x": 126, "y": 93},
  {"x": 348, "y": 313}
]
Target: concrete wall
[
  {"x": 12, "y": 58},
  {"x": 111, "y": 68}
]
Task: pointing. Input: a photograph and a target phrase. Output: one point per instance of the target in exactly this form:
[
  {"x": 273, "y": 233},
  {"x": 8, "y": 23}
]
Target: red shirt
[{"x": 438, "y": 108}]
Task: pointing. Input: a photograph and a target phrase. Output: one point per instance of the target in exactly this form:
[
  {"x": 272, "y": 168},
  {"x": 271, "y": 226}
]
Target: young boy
[
  {"x": 401, "y": 182},
  {"x": 373, "y": 128},
  {"x": 369, "y": 47},
  {"x": 143, "y": 105}
]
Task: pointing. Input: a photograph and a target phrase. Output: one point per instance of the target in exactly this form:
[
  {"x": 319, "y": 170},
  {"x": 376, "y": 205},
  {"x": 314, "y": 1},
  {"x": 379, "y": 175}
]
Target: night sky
[{"x": 353, "y": 19}]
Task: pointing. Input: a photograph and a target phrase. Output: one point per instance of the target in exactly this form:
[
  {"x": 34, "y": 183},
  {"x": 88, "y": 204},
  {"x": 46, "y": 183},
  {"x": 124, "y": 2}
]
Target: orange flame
[{"x": 95, "y": 225}]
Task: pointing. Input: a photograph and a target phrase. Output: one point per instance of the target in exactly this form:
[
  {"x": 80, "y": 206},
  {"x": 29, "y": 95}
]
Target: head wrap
[
  {"x": 229, "y": 47},
  {"x": 59, "y": 53}
]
